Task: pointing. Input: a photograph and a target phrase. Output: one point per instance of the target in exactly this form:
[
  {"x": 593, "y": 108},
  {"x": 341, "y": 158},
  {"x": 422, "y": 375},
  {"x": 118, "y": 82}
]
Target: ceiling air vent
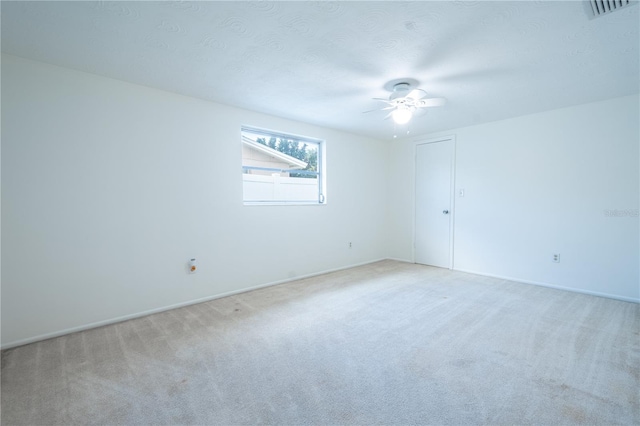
[{"x": 603, "y": 7}]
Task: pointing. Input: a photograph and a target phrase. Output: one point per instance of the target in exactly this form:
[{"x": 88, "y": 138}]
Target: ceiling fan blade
[
  {"x": 379, "y": 109},
  {"x": 417, "y": 94},
  {"x": 400, "y": 94},
  {"x": 380, "y": 99},
  {"x": 388, "y": 115},
  {"x": 432, "y": 102}
]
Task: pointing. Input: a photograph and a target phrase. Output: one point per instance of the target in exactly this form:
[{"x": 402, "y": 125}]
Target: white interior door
[{"x": 434, "y": 177}]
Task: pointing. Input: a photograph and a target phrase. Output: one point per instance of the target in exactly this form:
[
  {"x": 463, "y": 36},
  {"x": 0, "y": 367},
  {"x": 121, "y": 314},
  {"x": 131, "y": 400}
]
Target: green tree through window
[{"x": 299, "y": 150}]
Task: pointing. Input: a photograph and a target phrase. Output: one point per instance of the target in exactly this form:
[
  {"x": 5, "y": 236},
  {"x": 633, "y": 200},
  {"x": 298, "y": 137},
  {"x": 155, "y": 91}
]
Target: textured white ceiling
[{"x": 322, "y": 62}]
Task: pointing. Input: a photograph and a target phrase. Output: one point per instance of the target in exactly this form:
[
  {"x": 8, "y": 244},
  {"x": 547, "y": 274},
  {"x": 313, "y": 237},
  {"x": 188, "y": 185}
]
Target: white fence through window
[{"x": 275, "y": 188}]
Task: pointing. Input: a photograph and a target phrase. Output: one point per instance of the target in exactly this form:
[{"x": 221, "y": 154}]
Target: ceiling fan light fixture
[
  {"x": 405, "y": 99},
  {"x": 402, "y": 115}
]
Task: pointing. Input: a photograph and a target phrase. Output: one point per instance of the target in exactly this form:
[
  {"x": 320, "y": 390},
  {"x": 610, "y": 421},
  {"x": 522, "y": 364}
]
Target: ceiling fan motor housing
[
  {"x": 400, "y": 90},
  {"x": 401, "y": 87}
]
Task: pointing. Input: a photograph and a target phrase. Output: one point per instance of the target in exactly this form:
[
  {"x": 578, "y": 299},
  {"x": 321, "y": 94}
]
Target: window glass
[{"x": 279, "y": 168}]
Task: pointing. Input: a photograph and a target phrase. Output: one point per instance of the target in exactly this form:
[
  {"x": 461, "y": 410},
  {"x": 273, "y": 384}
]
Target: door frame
[{"x": 452, "y": 190}]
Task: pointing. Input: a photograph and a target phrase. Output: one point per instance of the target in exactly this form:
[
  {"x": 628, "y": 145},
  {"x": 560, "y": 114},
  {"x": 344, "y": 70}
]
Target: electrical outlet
[
  {"x": 556, "y": 257},
  {"x": 349, "y": 244}
]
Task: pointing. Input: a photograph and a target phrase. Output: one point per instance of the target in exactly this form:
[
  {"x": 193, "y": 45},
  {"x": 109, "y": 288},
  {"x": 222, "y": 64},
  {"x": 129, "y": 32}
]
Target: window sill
[{"x": 283, "y": 203}]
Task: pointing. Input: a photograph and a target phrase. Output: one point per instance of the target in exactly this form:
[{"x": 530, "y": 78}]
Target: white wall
[
  {"x": 537, "y": 185},
  {"x": 108, "y": 189}
]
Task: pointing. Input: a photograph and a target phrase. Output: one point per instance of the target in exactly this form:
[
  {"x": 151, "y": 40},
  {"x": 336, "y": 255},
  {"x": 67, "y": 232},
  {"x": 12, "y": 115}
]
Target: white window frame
[{"x": 321, "y": 172}]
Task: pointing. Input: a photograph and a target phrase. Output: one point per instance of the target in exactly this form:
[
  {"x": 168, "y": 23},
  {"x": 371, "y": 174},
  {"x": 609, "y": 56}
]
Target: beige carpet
[{"x": 387, "y": 343}]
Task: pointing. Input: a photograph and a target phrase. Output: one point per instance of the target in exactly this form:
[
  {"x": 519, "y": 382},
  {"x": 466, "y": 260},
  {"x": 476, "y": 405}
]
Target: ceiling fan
[{"x": 405, "y": 100}]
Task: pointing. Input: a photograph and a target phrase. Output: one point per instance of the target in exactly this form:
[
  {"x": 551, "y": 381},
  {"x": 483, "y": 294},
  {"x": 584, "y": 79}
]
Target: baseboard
[
  {"x": 244, "y": 290},
  {"x": 400, "y": 260},
  {"x": 554, "y": 286},
  {"x": 174, "y": 306}
]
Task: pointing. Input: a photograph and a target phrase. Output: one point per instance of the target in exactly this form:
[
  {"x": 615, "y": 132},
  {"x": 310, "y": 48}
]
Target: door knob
[{"x": 445, "y": 211}]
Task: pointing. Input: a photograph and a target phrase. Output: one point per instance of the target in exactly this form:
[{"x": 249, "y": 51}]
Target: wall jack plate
[{"x": 556, "y": 258}]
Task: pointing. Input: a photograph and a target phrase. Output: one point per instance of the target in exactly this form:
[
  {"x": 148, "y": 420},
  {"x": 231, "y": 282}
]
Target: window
[{"x": 279, "y": 168}]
